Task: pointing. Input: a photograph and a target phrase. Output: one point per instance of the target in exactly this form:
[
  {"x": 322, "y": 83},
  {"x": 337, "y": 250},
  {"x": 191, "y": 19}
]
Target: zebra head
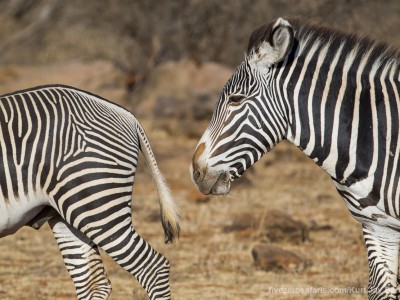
[{"x": 249, "y": 118}]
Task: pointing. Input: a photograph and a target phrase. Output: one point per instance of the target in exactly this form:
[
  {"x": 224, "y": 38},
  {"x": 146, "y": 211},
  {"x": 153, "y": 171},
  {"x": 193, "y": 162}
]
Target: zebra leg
[
  {"x": 82, "y": 260},
  {"x": 108, "y": 223},
  {"x": 127, "y": 248},
  {"x": 104, "y": 215},
  {"x": 382, "y": 245}
]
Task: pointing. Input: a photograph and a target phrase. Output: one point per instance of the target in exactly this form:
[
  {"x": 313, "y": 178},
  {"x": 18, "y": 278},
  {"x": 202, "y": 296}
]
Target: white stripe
[
  {"x": 311, "y": 144},
  {"x": 13, "y": 146},
  {"x": 62, "y": 127},
  {"x": 356, "y": 119},
  {"x": 53, "y": 144},
  {"x": 44, "y": 142},
  {"x": 296, "y": 96},
  {"x": 330, "y": 162},
  {"x": 375, "y": 123},
  {"x": 391, "y": 197},
  {"x": 388, "y": 139},
  {"x": 32, "y": 161},
  {"x": 285, "y": 91},
  {"x": 326, "y": 91}
]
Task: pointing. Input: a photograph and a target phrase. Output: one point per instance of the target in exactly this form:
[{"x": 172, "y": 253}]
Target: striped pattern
[
  {"x": 336, "y": 97},
  {"x": 76, "y": 152},
  {"x": 82, "y": 260}
]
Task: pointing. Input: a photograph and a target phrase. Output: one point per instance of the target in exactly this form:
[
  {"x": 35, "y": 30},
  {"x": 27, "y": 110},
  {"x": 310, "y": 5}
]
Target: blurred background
[{"x": 282, "y": 226}]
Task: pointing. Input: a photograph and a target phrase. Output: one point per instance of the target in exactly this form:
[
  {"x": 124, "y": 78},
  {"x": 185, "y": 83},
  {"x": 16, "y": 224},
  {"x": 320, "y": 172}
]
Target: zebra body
[
  {"x": 336, "y": 97},
  {"x": 69, "y": 157}
]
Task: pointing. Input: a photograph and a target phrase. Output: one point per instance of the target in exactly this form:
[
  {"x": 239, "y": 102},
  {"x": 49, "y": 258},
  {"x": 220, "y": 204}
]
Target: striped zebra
[
  {"x": 336, "y": 97},
  {"x": 69, "y": 158}
]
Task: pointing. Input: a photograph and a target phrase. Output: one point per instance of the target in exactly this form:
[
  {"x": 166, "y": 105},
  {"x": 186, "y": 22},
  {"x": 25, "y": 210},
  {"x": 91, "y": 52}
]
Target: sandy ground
[{"x": 208, "y": 263}]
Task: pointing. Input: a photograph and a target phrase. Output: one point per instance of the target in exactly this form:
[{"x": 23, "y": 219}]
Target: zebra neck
[{"x": 341, "y": 103}]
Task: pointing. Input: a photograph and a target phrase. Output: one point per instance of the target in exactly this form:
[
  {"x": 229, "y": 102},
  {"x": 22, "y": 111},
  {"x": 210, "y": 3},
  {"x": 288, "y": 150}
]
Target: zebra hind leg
[
  {"x": 382, "y": 245},
  {"x": 82, "y": 260},
  {"x": 108, "y": 224},
  {"x": 128, "y": 249}
]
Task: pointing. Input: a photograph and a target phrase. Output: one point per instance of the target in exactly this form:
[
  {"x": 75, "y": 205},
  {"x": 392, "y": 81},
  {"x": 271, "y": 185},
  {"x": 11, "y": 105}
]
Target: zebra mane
[{"x": 310, "y": 32}]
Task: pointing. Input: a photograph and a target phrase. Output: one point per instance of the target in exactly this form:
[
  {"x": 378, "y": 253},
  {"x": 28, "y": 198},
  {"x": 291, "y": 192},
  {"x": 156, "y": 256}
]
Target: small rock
[
  {"x": 280, "y": 226},
  {"x": 243, "y": 221},
  {"x": 272, "y": 258},
  {"x": 275, "y": 226},
  {"x": 314, "y": 226},
  {"x": 325, "y": 197}
]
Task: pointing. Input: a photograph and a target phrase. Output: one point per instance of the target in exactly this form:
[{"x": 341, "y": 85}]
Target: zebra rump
[{"x": 69, "y": 157}]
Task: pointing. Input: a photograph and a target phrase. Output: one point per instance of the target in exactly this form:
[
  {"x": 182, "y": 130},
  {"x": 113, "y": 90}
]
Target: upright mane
[{"x": 310, "y": 32}]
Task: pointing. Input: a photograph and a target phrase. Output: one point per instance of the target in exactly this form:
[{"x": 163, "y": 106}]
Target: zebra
[
  {"x": 336, "y": 97},
  {"x": 69, "y": 158}
]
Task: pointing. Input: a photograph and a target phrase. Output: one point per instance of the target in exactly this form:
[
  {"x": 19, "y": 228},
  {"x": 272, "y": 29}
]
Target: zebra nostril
[{"x": 196, "y": 175}]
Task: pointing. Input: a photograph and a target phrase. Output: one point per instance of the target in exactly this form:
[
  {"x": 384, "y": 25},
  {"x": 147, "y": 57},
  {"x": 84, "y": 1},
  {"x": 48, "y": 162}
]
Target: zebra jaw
[{"x": 223, "y": 184}]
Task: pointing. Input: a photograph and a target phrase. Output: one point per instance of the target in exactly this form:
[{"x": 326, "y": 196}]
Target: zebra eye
[{"x": 236, "y": 99}]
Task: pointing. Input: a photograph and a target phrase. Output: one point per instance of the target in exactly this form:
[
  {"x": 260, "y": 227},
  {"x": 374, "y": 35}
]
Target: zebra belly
[
  {"x": 373, "y": 213},
  {"x": 16, "y": 212}
]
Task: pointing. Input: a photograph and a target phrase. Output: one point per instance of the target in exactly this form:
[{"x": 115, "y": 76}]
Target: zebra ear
[{"x": 274, "y": 48}]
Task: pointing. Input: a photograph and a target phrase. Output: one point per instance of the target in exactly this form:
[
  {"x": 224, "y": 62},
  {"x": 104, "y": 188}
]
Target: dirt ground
[{"x": 208, "y": 263}]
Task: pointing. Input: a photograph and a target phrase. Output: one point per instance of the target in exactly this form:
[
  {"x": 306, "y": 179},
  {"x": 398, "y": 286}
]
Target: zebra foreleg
[
  {"x": 382, "y": 245},
  {"x": 82, "y": 260}
]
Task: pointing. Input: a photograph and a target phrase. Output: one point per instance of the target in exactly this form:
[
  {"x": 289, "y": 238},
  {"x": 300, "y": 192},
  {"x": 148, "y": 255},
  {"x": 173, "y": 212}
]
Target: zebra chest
[{"x": 16, "y": 212}]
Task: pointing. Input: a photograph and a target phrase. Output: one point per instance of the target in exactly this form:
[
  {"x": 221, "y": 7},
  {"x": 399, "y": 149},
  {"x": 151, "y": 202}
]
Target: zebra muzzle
[{"x": 216, "y": 184}]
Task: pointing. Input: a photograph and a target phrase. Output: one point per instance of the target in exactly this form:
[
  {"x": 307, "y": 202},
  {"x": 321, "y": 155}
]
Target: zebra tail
[{"x": 169, "y": 211}]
